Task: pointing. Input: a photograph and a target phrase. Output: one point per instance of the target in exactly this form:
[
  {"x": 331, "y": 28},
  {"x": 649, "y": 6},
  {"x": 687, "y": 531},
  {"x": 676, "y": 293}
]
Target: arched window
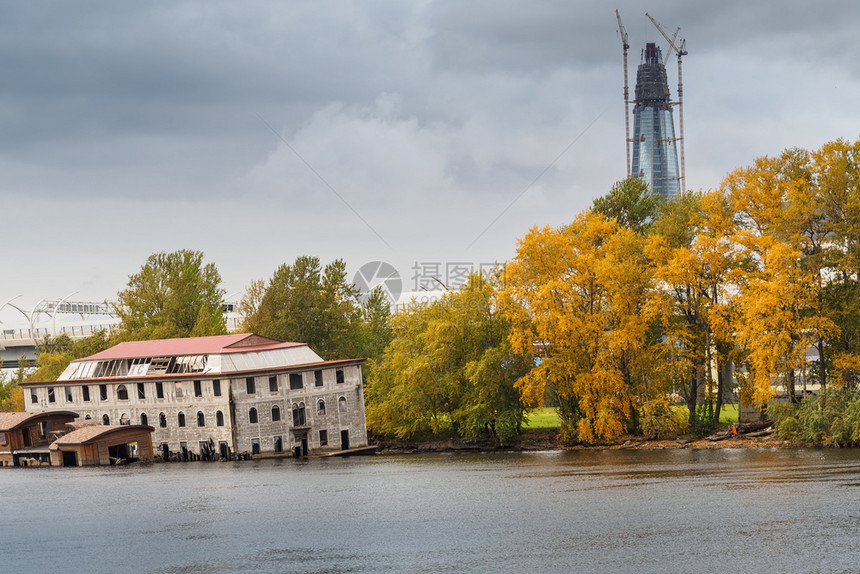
[
  {"x": 341, "y": 404},
  {"x": 321, "y": 407},
  {"x": 181, "y": 419},
  {"x": 276, "y": 413},
  {"x": 252, "y": 415},
  {"x": 88, "y": 418},
  {"x": 162, "y": 420},
  {"x": 122, "y": 393},
  {"x": 144, "y": 420},
  {"x": 105, "y": 420},
  {"x": 219, "y": 419},
  {"x": 124, "y": 420},
  {"x": 201, "y": 419}
]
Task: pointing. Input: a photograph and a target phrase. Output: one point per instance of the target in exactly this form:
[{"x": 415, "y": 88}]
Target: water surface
[{"x": 587, "y": 511}]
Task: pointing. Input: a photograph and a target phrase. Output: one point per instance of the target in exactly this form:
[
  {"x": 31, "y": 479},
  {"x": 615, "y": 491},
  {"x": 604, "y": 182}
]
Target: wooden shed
[
  {"x": 103, "y": 445},
  {"x": 25, "y": 437}
]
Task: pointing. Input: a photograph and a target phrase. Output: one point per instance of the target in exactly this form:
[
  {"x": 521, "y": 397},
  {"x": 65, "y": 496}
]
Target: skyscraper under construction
[{"x": 655, "y": 153}]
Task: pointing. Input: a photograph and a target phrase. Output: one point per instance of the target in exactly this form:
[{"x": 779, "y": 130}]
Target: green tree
[
  {"x": 173, "y": 295},
  {"x": 55, "y": 353},
  {"x": 449, "y": 368},
  {"x": 631, "y": 203},
  {"x": 305, "y": 303}
]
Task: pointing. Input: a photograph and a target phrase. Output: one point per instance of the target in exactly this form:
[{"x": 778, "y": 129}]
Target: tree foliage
[
  {"x": 173, "y": 295},
  {"x": 55, "y": 353},
  {"x": 307, "y": 303},
  {"x": 449, "y": 369},
  {"x": 574, "y": 296}
]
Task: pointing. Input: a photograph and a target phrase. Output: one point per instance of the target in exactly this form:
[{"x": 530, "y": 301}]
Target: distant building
[
  {"x": 655, "y": 153},
  {"x": 212, "y": 397}
]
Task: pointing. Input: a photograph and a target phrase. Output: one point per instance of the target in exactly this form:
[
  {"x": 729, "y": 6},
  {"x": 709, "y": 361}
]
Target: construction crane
[
  {"x": 680, "y": 51},
  {"x": 623, "y": 33}
]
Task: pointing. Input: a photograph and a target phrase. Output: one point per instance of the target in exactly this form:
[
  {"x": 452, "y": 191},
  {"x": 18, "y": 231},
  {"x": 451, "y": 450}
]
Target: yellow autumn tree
[
  {"x": 574, "y": 298},
  {"x": 696, "y": 267}
]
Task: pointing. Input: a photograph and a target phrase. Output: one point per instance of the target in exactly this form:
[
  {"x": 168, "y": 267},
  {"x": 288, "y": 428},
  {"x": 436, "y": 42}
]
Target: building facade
[
  {"x": 655, "y": 150},
  {"x": 217, "y": 396}
]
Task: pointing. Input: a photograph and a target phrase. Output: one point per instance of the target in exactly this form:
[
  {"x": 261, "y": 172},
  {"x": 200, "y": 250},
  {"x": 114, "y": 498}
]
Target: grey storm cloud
[{"x": 127, "y": 128}]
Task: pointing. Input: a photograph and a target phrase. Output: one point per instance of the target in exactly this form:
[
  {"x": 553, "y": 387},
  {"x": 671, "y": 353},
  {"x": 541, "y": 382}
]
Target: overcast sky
[{"x": 405, "y": 132}]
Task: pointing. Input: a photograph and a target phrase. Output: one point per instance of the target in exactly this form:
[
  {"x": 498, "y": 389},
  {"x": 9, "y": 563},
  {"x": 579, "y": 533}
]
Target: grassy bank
[{"x": 547, "y": 418}]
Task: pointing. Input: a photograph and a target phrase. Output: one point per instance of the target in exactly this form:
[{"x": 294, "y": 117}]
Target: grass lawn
[{"x": 547, "y": 418}]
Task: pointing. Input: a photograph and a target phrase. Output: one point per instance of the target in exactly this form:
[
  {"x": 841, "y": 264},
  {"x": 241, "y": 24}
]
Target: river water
[{"x": 745, "y": 510}]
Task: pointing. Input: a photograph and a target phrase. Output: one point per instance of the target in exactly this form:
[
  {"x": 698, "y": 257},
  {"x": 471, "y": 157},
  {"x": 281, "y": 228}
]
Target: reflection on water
[{"x": 585, "y": 511}]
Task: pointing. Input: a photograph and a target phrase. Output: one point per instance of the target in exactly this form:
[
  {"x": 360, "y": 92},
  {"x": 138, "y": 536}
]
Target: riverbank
[{"x": 547, "y": 439}]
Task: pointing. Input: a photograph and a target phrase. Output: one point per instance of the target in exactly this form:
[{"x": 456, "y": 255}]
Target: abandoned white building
[{"x": 215, "y": 396}]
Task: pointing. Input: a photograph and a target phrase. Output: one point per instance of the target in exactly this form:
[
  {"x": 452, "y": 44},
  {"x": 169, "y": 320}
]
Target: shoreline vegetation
[{"x": 542, "y": 432}]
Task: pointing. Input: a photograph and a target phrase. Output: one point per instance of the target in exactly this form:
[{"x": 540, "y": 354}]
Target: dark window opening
[
  {"x": 44, "y": 428},
  {"x": 216, "y": 387},
  {"x": 273, "y": 384},
  {"x": 255, "y": 446},
  {"x": 276, "y": 413},
  {"x": 321, "y": 407},
  {"x": 122, "y": 393},
  {"x": 279, "y": 444},
  {"x": 103, "y": 392},
  {"x": 201, "y": 419},
  {"x": 85, "y": 391},
  {"x": 219, "y": 419},
  {"x": 299, "y": 415},
  {"x": 144, "y": 420},
  {"x": 69, "y": 395},
  {"x": 141, "y": 391},
  {"x": 338, "y": 374},
  {"x": 159, "y": 390},
  {"x": 252, "y": 415},
  {"x": 198, "y": 389},
  {"x": 250, "y": 387},
  {"x": 105, "y": 420},
  {"x": 323, "y": 437},
  {"x": 181, "y": 419},
  {"x": 162, "y": 420},
  {"x": 318, "y": 378},
  {"x": 295, "y": 381},
  {"x": 33, "y": 397},
  {"x": 51, "y": 397}
]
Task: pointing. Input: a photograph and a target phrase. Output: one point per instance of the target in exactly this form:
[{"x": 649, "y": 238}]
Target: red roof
[{"x": 190, "y": 346}]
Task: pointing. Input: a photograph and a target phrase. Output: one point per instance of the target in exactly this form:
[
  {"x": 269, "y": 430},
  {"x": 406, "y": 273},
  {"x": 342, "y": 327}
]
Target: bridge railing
[{"x": 73, "y": 331}]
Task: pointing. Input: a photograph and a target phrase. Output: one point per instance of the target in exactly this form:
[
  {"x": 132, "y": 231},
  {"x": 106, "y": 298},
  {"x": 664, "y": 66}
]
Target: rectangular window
[
  {"x": 198, "y": 389},
  {"x": 44, "y": 428},
  {"x": 295, "y": 381},
  {"x": 51, "y": 397},
  {"x": 339, "y": 376},
  {"x": 69, "y": 397},
  {"x": 323, "y": 437},
  {"x": 273, "y": 384},
  {"x": 34, "y": 398},
  {"x": 159, "y": 390},
  {"x": 216, "y": 387},
  {"x": 141, "y": 391},
  {"x": 103, "y": 392},
  {"x": 85, "y": 393},
  {"x": 250, "y": 387},
  {"x": 318, "y": 380}
]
